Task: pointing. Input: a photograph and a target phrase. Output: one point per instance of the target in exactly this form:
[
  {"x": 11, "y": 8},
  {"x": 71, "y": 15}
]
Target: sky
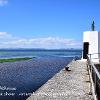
[{"x": 50, "y": 24}]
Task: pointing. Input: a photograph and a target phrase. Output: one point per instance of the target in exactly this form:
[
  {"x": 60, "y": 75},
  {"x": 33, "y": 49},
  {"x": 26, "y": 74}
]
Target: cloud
[
  {"x": 3, "y": 2},
  {"x": 3, "y": 34},
  {"x": 9, "y": 41}
]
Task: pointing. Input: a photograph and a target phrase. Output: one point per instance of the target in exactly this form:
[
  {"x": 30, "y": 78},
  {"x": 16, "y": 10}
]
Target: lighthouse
[{"x": 91, "y": 44}]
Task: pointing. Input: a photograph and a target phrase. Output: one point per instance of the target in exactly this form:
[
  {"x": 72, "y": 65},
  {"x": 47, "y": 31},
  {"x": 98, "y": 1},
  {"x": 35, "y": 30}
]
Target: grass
[{"x": 14, "y": 59}]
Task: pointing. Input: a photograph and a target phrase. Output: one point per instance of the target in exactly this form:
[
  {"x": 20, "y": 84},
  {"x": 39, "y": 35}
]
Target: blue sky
[{"x": 46, "y": 23}]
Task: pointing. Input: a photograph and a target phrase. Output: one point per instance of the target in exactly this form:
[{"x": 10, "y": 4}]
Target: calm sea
[
  {"x": 38, "y": 53},
  {"x": 27, "y": 76}
]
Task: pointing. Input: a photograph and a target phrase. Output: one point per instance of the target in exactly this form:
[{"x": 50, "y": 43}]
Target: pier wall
[{"x": 66, "y": 85}]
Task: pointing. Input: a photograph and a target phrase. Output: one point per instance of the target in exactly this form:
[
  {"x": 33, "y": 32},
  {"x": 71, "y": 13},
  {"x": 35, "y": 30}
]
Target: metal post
[
  {"x": 90, "y": 93},
  {"x": 90, "y": 73},
  {"x": 95, "y": 82},
  {"x": 87, "y": 65}
]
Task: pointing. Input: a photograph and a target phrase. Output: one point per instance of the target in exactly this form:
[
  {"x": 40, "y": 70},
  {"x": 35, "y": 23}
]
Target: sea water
[
  {"x": 11, "y": 53},
  {"x": 19, "y": 79}
]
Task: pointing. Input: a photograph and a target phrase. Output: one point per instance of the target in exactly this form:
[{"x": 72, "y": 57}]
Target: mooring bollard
[{"x": 67, "y": 69}]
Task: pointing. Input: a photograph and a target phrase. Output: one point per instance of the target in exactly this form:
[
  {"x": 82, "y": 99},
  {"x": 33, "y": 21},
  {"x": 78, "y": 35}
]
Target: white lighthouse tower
[{"x": 91, "y": 44}]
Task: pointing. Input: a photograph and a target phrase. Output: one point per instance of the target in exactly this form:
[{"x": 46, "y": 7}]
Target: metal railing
[{"x": 94, "y": 76}]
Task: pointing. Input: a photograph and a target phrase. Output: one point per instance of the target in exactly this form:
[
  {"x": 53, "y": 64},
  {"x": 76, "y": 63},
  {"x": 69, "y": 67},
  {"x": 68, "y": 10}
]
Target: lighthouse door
[{"x": 85, "y": 49}]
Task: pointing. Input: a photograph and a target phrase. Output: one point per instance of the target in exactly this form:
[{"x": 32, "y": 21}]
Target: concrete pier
[{"x": 72, "y": 85}]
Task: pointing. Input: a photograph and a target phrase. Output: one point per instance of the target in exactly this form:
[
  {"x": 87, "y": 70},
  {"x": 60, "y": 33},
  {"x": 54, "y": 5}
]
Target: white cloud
[
  {"x": 3, "y": 2},
  {"x": 4, "y": 34},
  {"x": 9, "y": 41}
]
